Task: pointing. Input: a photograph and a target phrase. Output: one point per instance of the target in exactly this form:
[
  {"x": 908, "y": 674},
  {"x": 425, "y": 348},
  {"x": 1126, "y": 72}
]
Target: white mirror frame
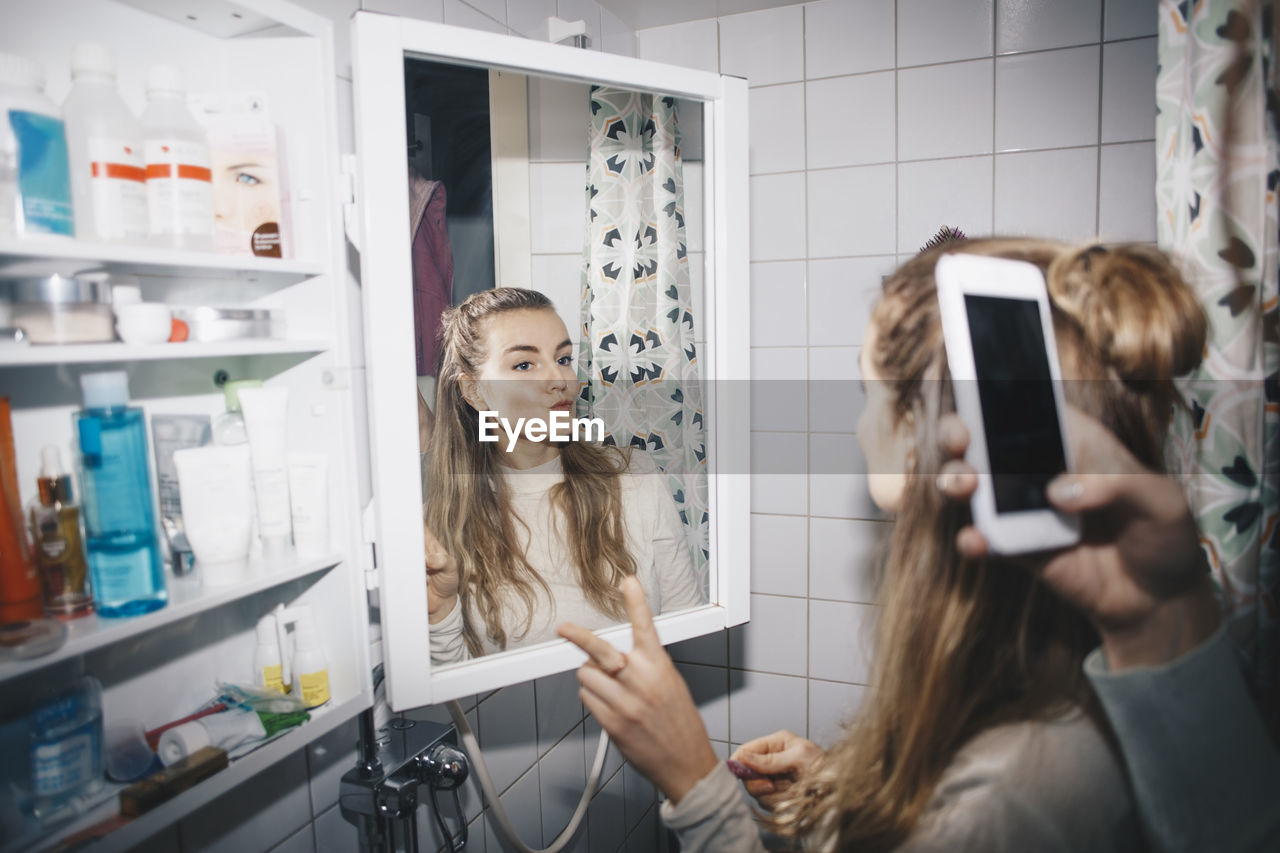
[{"x": 380, "y": 44}]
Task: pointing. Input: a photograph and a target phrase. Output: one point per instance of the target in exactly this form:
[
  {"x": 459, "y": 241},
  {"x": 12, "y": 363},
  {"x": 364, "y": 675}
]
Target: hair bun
[{"x": 1133, "y": 306}]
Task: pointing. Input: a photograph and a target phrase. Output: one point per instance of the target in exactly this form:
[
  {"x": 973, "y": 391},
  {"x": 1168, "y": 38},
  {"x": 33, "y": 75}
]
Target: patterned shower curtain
[
  {"x": 637, "y": 357},
  {"x": 1217, "y": 176}
]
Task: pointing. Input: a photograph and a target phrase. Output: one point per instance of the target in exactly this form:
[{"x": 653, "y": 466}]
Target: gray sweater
[{"x": 1054, "y": 785}]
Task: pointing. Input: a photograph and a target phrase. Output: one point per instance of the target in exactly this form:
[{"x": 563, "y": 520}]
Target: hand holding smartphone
[{"x": 1004, "y": 368}]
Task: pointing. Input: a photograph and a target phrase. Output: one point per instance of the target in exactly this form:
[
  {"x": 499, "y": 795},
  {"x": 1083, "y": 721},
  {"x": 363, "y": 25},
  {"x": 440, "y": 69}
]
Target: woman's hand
[
  {"x": 1138, "y": 572},
  {"x": 642, "y": 702},
  {"x": 780, "y": 759},
  {"x": 442, "y": 577}
]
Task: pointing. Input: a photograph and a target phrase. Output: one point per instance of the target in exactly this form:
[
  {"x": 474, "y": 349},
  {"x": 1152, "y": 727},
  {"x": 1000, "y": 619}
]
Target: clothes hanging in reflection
[{"x": 432, "y": 267}]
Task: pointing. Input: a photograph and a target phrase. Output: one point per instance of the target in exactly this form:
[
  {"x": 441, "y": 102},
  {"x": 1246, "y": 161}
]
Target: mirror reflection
[{"x": 557, "y": 263}]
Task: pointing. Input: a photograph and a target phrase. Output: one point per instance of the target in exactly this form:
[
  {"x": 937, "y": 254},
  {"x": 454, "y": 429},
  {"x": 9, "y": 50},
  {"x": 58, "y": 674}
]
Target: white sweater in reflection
[{"x": 655, "y": 536}]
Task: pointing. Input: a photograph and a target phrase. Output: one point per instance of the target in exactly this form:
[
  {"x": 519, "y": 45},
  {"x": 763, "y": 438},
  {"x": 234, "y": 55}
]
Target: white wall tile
[
  {"x": 582, "y": 10},
  {"x": 529, "y": 17},
  {"x": 422, "y": 10},
  {"x": 1047, "y": 100},
  {"x": 709, "y": 649},
  {"x": 838, "y": 478},
  {"x": 761, "y": 703},
  {"x": 847, "y": 37},
  {"x": 255, "y": 815},
  {"x": 779, "y": 485},
  {"x": 945, "y": 110},
  {"x": 933, "y": 193},
  {"x": 776, "y": 133},
  {"x": 778, "y": 551},
  {"x": 840, "y": 641},
  {"x": 777, "y": 217},
  {"x": 841, "y": 294},
  {"x": 1025, "y": 181},
  {"x": 496, "y": 9},
  {"x": 851, "y": 211},
  {"x": 615, "y": 36},
  {"x": 831, "y": 705},
  {"x": 559, "y": 115},
  {"x": 849, "y": 120},
  {"x": 606, "y": 817},
  {"x": 765, "y": 47},
  {"x": 559, "y": 277},
  {"x": 836, "y": 398},
  {"x": 558, "y": 192},
  {"x": 1129, "y": 19},
  {"x": 459, "y": 14},
  {"x": 1129, "y": 90},
  {"x": 771, "y": 641},
  {"x": 1127, "y": 194},
  {"x": 559, "y": 708},
  {"x": 842, "y": 558},
  {"x": 562, "y": 780},
  {"x": 1043, "y": 24},
  {"x": 777, "y": 304},
  {"x": 508, "y": 733},
  {"x": 334, "y": 834},
  {"x": 709, "y": 686},
  {"x": 779, "y": 392},
  {"x": 943, "y": 30},
  {"x": 691, "y": 45}
]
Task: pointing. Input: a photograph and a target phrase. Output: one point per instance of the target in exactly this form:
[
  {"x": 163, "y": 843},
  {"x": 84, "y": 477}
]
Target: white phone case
[{"x": 960, "y": 275}]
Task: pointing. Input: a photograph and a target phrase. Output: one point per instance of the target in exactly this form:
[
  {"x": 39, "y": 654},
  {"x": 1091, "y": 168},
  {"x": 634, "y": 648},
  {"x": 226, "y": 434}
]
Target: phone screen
[{"x": 1019, "y": 412}]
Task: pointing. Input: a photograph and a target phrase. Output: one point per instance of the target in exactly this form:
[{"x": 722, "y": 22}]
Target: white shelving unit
[{"x": 161, "y": 666}]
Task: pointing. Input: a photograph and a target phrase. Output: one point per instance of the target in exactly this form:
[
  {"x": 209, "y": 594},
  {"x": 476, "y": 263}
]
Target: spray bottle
[{"x": 307, "y": 670}]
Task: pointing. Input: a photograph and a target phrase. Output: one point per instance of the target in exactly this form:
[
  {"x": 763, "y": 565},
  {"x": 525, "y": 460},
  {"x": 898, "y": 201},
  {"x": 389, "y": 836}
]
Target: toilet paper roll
[{"x": 180, "y": 741}]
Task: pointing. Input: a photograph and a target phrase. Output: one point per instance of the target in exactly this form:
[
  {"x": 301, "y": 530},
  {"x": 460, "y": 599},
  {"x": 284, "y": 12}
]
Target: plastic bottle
[
  {"x": 228, "y": 427},
  {"x": 179, "y": 175},
  {"x": 104, "y": 141},
  {"x": 119, "y": 515},
  {"x": 35, "y": 183},
  {"x": 310, "y": 666},
  {"x": 65, "y": 755},
  {"x": 268, "y": 671},
  {"x": 55, "y": 529}
]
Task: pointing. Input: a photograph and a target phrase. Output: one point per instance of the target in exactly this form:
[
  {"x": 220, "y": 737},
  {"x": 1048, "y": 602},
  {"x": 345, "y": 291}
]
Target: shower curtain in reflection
[
  {"x": 1217, "y": 175},
  {"x": 637, "y": 357}
]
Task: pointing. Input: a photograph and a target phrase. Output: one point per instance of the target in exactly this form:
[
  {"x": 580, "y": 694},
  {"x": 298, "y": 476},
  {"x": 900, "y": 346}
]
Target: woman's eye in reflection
[
  {"x": 522, "y": 366},
  {"x": 245, "y": 179},
  {"x": 565, "y": 361}
]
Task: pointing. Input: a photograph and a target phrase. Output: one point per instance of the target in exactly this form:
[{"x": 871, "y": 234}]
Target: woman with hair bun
[
  {"x": 984, "y": 728},
  {"x": 519, "y": 537}
]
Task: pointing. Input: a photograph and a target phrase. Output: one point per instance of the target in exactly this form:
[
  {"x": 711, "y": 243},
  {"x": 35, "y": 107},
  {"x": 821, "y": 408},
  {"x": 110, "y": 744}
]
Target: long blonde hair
[
  {"x": 469, "y": 504},
  {"x": 964, "y": 645}
]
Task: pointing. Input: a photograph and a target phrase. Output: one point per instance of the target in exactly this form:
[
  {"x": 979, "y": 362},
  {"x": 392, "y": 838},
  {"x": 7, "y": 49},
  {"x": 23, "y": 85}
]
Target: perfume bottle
[
  {"x": 55, "y": 530},
  {"x": 119, "y": 515}
]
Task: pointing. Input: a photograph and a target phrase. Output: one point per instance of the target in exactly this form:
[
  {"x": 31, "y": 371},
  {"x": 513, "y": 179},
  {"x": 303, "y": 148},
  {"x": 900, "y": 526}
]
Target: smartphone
[{"x": 1008, "y": 390}]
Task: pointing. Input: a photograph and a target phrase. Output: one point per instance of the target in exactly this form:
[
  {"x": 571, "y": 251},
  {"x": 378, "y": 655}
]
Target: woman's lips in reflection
[{"x": 562, "y": 406}]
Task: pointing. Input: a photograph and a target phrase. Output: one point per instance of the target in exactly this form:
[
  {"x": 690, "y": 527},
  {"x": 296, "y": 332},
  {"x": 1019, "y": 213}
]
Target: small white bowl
[{"x": 144, "y": 322}]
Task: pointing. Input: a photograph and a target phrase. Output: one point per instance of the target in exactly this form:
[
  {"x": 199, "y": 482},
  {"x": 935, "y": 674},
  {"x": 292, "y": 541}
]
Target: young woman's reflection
[{"x": 519, "y": 540}]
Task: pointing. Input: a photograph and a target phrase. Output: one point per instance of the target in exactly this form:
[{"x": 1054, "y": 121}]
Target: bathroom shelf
[
  {"x": 46, "y": 255},
  {"x": 186, "y": 598},
  {"x": 27, "y": 355},
  {"x": 126, "y": 836}
]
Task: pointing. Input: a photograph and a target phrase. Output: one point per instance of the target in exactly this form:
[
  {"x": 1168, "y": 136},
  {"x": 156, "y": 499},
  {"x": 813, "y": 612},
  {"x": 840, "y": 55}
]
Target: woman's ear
[{"x": 470, "y": 389}]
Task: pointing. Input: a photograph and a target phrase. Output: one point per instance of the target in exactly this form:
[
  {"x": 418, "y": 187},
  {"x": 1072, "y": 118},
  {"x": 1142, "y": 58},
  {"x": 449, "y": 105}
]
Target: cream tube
[
  {"x": 309, "y": 502},
  {"x": 265, "y": 413},
  {"x": 226, "y": 730},
  {"x": 216, "y": 487}
]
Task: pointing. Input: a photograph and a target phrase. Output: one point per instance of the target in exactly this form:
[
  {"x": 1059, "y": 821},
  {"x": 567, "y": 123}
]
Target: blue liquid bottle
[{"x": 119, "y": 517}]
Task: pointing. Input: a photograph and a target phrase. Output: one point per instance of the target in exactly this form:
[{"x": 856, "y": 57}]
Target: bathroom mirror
[{"x": 616, "y": 188}]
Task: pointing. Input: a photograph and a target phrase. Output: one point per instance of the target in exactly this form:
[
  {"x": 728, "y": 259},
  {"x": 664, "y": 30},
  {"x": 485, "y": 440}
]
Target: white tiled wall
[
  {"x": 869, "y": 129},
  {"x": 873, "y": 123}
]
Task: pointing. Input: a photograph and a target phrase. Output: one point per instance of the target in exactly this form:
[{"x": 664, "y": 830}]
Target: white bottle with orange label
[
  {"x": 104, "y": 147},
  {"x": 179, "y": 177}
]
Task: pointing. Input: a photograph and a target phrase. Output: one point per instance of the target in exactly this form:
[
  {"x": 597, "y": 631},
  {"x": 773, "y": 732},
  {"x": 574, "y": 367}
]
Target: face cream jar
[{"x": 60, "y": 310}]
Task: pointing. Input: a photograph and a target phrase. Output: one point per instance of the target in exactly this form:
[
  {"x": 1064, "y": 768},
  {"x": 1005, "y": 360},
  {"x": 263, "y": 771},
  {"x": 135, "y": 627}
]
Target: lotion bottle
[
  {"x": 268, "y": 670},
  {"x": 308, "y": 671}
]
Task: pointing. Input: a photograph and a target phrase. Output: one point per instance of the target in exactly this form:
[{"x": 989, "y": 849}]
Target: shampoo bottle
[
  {"x": 119, "y": 516},
  {"x": 310, "y": 666},
  {"x": 268, "y": 671},
  {"x": 55, "y": 529}
]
